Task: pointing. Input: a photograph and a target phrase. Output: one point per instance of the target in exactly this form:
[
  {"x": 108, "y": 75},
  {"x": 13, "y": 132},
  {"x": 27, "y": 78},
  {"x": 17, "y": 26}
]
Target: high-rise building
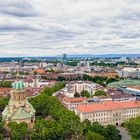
[
  {"x": 59, "y": 66},
  {"x": 64, "y": 56}
]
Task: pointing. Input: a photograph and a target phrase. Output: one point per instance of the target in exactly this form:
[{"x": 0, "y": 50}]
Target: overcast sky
[{"x": 54, "y": 27}]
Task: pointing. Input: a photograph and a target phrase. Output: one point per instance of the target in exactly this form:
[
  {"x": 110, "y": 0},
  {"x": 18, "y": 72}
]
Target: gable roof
[
  {"x": 74, "y": 100},
  {"x": 21, "y": 114},
  {"x": 106, "y": 106}
]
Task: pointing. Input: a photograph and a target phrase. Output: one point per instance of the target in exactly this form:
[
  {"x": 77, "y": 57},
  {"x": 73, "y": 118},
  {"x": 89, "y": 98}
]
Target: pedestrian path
[{"x": 124, "y": 133}]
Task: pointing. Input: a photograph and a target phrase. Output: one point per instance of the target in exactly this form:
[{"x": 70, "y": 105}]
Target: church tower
[{"x": 19, "y": 109}]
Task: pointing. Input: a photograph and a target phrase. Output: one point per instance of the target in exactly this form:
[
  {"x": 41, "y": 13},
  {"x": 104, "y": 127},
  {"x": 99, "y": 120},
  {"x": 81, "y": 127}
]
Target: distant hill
[
  {"x": 8, "y": 59},
  {"x": 104, "y": 55}
]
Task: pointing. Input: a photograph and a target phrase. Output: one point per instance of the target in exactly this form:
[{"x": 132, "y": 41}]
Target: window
[{"x": 32, "y": 120}]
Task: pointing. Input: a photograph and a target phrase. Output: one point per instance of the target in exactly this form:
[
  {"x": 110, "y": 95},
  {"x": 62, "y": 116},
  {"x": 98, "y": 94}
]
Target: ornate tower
[{"x": 19, "y": 109}]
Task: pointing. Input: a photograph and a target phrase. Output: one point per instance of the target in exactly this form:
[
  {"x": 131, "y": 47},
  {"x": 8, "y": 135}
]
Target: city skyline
[{"x": 54, "y": 27}]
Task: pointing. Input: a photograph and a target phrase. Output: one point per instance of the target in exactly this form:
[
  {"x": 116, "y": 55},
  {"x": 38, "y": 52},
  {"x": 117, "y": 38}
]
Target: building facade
[
  {"x": 71, "y": 103},
  {"x": 19, "y": 109},
  {"x": 109, "y": 74},
  {"x": 105, "y": 113},
  {"x": 79, "y": 86}
]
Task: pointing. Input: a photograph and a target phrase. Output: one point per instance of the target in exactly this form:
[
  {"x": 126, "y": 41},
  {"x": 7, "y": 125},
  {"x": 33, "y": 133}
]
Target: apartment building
[{"x": 71, "y": 103}]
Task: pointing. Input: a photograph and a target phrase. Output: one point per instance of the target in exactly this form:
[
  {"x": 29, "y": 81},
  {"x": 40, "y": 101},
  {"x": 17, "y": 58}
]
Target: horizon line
[{"x": 70, "y": 55}]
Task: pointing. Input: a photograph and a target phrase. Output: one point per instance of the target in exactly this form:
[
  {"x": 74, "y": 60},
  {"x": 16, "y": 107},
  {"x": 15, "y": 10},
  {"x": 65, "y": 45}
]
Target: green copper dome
[{"x": 18, "y": 85}]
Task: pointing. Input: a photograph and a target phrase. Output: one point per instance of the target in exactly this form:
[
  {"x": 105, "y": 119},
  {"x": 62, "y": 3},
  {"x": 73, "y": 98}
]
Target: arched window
[{"x": 32, "y": 120}]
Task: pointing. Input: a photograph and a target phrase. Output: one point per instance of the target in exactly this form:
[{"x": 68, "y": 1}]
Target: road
[{"x": 124, "y": 133}]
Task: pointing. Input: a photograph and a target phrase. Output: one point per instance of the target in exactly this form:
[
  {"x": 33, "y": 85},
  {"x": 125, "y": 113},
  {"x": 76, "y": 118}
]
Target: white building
[
  {"x": 129, "y": 72},
  {"x": 78, "y": 86}
]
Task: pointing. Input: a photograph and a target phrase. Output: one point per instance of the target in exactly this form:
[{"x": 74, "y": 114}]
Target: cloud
[
  {"x": 17, "y": 8},
  {"x": 53, "y": 27},
  {"x": 16, "y": 28}
]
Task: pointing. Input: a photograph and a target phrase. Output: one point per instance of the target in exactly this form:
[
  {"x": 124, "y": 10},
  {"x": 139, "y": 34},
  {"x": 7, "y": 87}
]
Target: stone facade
[{"x": 19, "y": 109}]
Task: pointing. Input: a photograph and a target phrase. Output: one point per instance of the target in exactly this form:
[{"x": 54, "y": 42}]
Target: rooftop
[
  {"x": 5, "y": 89},
  {"x": 18, "y": 85},
  {"x": 124, "y": 83},
  {"x": 106, "y": 106},
  {"x": 73, "y": 100},
  {"x": 39, "y": 70},
  {"x": 134, "y": 87}
]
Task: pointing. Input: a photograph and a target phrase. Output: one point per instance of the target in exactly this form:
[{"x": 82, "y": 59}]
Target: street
[{"x": 124, "y": 133}]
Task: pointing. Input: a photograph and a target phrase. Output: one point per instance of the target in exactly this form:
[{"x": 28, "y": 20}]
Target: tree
[
  {"x": 1, "y": 127},
  {"x": 7, "y": 84},
  {"x": 99, "y": 93},
  {"x": 72, "y": 63},
  {"x": 97, "y": 128},
  {"x": 64, "y": 124},
  {"x": 47, "y": 104},
  {"x": 3, "y": 103},
  {"x": 85, "y": 93},
  {"x": 97, "y": 79},
  {"x": 93, "y": 136},
  {"x": 112, "y": 133},
  {"x": 110, "y": 80},
  {"x": 50, "y": 70},
  {"x": 76, "y": 94},
  {"x": 50, "y": 90},
  {"x": 133, "y": 126},
  {"x": 48, "y": 129},
  {"x": 40, "y": 105},
  {"x": 61, "y": 78},
  {"x": 18, "y": 131},
  {"x": 1, "y": 137}
]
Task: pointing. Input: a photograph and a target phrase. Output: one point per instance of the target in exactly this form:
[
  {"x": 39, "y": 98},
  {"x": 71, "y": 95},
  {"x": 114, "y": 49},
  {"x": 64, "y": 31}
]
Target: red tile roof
[
  {"x": 73, "y": 100},
  {"x": 39, "y": 71},
  {"x": 108, "y": 105},
  {"x": 5, "y": 89},
  {"x": 135, "y": 87}
]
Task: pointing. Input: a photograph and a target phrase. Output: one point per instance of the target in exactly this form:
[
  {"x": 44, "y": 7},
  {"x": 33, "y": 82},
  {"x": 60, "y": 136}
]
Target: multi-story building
[
  {"x": 59, "y": 66},
  {"x": 109, "y": 74},
  {"x": 129, "y": 72},
  {"x": 109, "y": 112},
  {"x": 79, "y": 86},
  {"x": 84, "y": 64},
  {"x": 71, "y": 103}
]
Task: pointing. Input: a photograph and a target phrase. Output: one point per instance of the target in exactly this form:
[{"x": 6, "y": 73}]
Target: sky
[{"x": 54, "y": 27}]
